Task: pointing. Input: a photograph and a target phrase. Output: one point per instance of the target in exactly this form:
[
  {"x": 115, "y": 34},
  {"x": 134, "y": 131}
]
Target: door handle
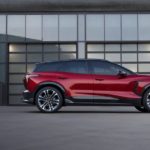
[
  {"x": 99, "y": 79},
  {"x": 62, "y": 78}
]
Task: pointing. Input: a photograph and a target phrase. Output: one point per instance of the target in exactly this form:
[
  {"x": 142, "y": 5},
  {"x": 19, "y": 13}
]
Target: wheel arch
[
  {"x": 147, "y": 87},
  {"x": 52, "y": 84}
]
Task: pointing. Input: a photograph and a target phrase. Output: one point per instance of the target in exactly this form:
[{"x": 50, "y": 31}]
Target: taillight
[
  {"x": 26, "y": 78},
  {"x": 30, "y": 76},
  {"x": 33, "y": 75}
]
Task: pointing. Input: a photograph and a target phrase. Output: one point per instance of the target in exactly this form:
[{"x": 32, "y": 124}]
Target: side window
[
  {"x": 74, "y": 67},
  {"x": 124, "y": 69},
  {"x": 104, "y": 68},
  {"x": 47, "y": 67}
]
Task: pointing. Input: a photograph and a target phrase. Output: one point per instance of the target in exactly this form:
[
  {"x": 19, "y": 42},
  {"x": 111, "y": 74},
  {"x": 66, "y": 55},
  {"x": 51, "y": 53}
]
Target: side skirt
[{"x": 102, "y": 102}]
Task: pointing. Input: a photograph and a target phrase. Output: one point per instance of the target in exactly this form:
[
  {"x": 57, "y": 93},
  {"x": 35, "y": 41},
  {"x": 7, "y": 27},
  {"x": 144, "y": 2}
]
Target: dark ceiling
[{"x": 74, "y": 5}]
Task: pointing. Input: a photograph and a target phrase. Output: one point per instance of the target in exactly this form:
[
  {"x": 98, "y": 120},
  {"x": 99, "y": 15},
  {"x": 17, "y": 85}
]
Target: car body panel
[
  {"x": 114, "y": 86},
  {"x": 91, "y": 88},
  {"x": 75, "y": 85}
]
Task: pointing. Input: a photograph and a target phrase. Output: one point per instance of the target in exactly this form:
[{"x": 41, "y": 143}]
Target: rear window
[{"x": 47, "y": 67}]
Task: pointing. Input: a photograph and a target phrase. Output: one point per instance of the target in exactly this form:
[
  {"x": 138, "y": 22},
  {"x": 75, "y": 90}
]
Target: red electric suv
[{"x": 85, "y": 82}]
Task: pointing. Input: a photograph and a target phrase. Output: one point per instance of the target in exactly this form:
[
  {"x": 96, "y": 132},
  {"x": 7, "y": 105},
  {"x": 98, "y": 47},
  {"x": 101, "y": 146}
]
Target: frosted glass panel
[
  {"x": 129, "y": 27},
  {"x": 2, "y": 24},
  {"x": 17, "y": 57},
  {"x": 144, "y": 57},
  {"x": 34, "y": 48},
  {"x": 50, "y": 28},
  {"x": 17, "y": 68},
  {"x": 144, "y": 67},
  {"x": 96, "y": 55},
  {"x": 30, "y": 67},
  {"x": 112, "y": 47},
  {"x": 2, "y": 27},
  {"x": 34, "y": 27},
  {"x": 129, "y": 47},
  {"x": 15, "y": 99},
  {"x": 68, "y": 47},
  {"x": 50, "y": 57},
  {"x": 16, "y": 89},
  {"x": 17, "y": 48},
  {"x": 95, "y": 47},
  {"x": 144, "y": 26},
  {"x": 67, "y": 27},
  {"x": 132, "y": 67},
  {"x": 144, "y": 47},
  {"x": 95, "y": 27},
  {"x": 35, "y": 58},
  {"x": 129, "y": 57},
  {"x": 16, "y": 78},
  {"x": 112, "y": 28},
  {"x": 67, "y": 56},
  {"x": 113, "y": 57},
  {"x": 16, "y": 25},
  {"x": 51, "y": 48}
]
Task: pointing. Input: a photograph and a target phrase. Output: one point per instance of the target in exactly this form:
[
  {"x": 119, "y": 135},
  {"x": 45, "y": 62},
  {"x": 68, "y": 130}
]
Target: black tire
[
  {"x": 146, "y": 100},
  {"x": 141, "y": 108},
  {"x": 45, "y": 102}
]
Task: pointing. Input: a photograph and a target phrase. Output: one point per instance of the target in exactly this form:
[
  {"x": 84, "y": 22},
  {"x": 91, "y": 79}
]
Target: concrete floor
[{"x": 74, "y": 128}]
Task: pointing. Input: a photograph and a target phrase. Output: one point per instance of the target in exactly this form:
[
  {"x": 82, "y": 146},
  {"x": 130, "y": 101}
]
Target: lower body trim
[
  {"x": 28, "y": 97},
  {"x": 103, "y": 102}
]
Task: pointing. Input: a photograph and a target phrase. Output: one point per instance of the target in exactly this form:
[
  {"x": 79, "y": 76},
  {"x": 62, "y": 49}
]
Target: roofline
[{"x": 82, "y": 59}]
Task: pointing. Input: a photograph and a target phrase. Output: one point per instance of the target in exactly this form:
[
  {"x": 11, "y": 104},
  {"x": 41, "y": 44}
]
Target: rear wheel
[{"x": 49, "y": 99}]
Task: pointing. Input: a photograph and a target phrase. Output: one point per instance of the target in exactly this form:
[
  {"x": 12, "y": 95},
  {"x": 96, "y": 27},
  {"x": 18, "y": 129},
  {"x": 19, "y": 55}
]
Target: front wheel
[
  {"x": 146, "y": 100},
  {"x": 49, "y": 99}
]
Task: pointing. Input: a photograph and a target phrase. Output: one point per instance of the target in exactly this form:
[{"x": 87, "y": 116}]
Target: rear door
[{"x": 77, "y": 80}]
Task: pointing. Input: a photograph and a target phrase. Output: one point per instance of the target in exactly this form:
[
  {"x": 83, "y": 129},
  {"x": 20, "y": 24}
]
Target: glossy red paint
[
  {"x": 74, "y": 84},
  {"x": 89, "y": 85}
]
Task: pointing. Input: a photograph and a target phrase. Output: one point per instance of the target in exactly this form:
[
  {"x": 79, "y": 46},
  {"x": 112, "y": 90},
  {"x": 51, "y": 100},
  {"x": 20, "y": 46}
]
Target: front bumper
[{"x": 28, "y": 97}]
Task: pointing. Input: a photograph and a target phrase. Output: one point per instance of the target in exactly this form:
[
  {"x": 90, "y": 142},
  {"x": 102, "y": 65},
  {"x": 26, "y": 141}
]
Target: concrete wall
[{"x": 74, "y": 5}]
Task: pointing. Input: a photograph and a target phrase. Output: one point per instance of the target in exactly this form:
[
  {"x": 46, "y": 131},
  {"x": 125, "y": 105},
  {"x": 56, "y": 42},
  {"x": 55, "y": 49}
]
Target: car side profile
[{"x": 85, "y": 82}]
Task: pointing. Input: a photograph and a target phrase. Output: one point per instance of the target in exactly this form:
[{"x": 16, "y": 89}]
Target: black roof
[{"x": 73, "y": 60}]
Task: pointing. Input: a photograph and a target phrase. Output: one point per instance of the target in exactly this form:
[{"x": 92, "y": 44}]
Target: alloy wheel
[
  {"x": 148, "y": 99},
  {"x": 48, "y": 100}
]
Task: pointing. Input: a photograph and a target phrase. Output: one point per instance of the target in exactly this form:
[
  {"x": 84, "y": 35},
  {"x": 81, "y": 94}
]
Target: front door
[{"x": 107, "y": 84}]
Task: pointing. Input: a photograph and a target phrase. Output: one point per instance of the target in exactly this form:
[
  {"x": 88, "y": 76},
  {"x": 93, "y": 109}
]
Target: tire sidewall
[
  {"x": 60, "y": 101},
  {"x": 145, "y": 101}
]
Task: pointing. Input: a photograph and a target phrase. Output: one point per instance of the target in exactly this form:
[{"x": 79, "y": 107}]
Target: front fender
[{"x": 142, "y": 87}]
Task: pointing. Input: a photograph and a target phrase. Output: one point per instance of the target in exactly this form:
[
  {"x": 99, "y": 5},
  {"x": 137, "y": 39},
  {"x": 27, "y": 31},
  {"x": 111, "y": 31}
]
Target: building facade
[{"x": 33, "y": 31}]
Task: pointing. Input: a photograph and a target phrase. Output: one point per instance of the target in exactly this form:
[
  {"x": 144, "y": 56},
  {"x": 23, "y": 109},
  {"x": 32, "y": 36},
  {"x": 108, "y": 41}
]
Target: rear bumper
[{"x": 28, "y": 97}]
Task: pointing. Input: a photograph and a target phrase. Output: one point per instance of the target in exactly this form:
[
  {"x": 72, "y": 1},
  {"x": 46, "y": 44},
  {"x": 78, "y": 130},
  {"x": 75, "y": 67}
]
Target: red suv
[{"x": 85, "y": 82}]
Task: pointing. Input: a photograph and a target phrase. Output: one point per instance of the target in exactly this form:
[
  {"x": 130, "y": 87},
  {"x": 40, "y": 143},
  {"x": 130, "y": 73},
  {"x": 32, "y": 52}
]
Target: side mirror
[{"x": 122, "y": 73}]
